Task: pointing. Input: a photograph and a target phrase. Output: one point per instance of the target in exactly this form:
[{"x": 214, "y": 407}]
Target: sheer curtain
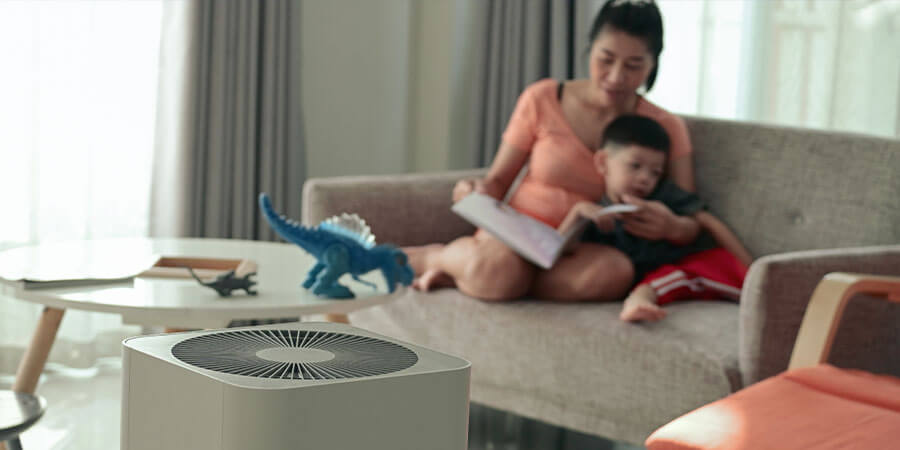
[
  {"x": 818, "y": 64},
  {"x": 78, "y": 90}
]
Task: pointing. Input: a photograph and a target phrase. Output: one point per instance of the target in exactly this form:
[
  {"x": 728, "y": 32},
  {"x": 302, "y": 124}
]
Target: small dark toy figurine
[
  {"x": 226, "y": 283},
  {"x": 341, "y": 245}
]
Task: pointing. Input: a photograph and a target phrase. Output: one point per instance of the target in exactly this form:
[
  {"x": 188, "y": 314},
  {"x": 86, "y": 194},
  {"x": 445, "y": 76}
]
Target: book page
[{"x": 530, "y": 238}]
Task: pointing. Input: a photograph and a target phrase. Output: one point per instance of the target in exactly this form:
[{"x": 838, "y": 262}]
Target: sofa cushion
[
  {"x": 785, "y": 189},
  {"x": 820, "y": 407},
  {"x": 595, "y": 373}
]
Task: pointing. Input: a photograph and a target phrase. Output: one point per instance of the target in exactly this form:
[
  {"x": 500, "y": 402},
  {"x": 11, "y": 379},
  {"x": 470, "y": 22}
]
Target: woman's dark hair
[
  {"x": 632, "y": 129},
  {"x": 639, "y": 18}
]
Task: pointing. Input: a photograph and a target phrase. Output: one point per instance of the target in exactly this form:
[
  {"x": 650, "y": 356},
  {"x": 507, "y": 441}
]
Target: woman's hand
[
  {"x": 655, "y": 221},
  {"x": 481, "y": 185}
]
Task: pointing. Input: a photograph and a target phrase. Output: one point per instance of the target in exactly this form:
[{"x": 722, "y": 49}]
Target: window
[
  {"x": 819, "y": 64},
  {"x": 77, "y": 117}
]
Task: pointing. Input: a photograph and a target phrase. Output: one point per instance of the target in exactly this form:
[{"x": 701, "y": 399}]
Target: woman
[{"x": 556, "y": 127}]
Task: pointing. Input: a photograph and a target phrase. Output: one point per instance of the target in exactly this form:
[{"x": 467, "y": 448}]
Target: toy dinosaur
[
  {"x": 341, "y": 244},
  {"x": 227, "y": 282}
]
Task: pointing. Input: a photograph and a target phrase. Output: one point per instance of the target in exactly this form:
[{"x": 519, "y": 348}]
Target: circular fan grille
[{"x": 294, "y": 354}]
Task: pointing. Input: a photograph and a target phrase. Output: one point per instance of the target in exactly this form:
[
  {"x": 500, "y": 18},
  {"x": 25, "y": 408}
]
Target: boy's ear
[{"x": 600, "y": 161}]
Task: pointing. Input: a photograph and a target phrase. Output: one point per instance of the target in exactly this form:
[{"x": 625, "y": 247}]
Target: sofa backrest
[{"x": 784, "y": 189}]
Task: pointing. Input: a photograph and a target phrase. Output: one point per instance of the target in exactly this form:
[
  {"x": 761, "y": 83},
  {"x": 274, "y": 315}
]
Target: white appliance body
[{"x": 169, "y": 403}]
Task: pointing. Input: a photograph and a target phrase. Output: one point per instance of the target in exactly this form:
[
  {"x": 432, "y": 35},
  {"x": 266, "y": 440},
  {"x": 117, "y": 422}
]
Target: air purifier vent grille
[{"x": 294, "y": 354}]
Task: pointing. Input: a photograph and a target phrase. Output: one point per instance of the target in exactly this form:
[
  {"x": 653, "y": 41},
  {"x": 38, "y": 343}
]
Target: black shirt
[{"x": 647, "y": 255}]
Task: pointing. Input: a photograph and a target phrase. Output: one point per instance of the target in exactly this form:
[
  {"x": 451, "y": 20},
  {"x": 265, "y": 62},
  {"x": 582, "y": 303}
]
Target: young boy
[{"x": 632, "y": 160}]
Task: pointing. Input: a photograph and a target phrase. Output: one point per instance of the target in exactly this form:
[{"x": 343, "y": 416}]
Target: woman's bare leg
[
  {"x": 484, "y": 268},
  {"x": 592, "y": 272}
]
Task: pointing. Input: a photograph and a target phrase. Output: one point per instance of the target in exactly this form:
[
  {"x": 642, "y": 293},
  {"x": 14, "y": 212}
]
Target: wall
[
  {"x": 355, "y": 57},
  {"x": 375, "y": 85},
  {"x": 429, "y": 136}
]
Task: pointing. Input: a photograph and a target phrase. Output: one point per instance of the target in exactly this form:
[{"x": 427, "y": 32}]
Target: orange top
[{"x": 561, "y": 171}]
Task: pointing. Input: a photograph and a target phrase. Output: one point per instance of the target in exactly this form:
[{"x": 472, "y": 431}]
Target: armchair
[{"x": 813, "y": 404}]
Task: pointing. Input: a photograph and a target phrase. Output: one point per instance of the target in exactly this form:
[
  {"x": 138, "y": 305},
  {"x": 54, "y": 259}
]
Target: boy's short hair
[{"x": 635, "y": 130}]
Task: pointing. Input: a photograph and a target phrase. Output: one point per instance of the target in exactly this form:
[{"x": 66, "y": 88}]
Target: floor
[
  {"x": 84, "y": 411},
  {"x": 83, "y": 408}
]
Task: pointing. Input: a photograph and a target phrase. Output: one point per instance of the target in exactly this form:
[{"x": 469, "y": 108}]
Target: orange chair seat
[{"x": 820, "y": 407}]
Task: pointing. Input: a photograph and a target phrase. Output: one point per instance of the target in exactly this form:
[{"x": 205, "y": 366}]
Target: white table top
[{"x": 177, "y": 302}]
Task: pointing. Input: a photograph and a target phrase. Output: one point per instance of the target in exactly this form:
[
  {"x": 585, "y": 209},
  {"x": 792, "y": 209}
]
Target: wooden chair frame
[{"x": 826, "y": 308}]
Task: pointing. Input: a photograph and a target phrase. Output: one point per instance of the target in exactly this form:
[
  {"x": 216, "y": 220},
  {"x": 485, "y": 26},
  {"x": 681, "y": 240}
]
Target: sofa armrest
[
  {"x": 826, "y": 308},
  {"x": 403, "y": 210},
  {"x": 774, "y": 299}
]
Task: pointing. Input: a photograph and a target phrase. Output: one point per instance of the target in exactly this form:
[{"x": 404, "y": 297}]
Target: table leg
[
  {"x": 337, "y": 318},
  {"x": 35, "y": 357}
]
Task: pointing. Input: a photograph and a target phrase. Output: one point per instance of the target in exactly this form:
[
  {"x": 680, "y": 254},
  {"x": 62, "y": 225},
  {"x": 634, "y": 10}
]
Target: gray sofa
[{"x": 804, "y": 202}]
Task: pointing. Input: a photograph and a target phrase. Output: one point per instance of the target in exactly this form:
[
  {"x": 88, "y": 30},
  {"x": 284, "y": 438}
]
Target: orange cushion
[{"x": 820, "y": 407}]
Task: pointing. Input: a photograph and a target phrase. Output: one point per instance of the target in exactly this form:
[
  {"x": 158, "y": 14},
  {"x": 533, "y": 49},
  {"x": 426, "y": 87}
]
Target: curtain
[
  {"x": 501, "y": 47},
  {"x": 239, "y": 128},
  {"x": 76, "y": 139},
  {"x": 817, "y": 64}
]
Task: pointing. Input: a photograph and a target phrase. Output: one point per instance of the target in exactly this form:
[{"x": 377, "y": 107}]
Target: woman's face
[{"x": 619, "y": 64}]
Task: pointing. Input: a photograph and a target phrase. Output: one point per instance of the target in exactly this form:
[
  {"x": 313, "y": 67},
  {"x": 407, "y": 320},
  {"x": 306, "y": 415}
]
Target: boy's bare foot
[
  {"x": 637, "y": 312},
  {"x": 433, "y": 279},
  {"x": 641, "y": 306},
  {"x": 419, "y": 256}
]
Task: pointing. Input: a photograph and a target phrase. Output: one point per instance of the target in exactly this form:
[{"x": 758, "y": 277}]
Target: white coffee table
[{"x": 174, "y": 303}]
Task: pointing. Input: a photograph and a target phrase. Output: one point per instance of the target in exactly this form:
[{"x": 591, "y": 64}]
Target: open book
[
  {"x": 79, "y": 269},
  {"x": 530, "y": 238},
  {"x": 70, "y": 274}
]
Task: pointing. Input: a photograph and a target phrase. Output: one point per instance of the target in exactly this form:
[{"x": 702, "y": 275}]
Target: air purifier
[{"x": 303, "y": 385}]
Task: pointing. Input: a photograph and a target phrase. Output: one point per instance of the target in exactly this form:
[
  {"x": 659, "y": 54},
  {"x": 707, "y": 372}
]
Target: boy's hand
[
  {"x": 654, "y": 220},
  {"x": 591, "y": 211}
]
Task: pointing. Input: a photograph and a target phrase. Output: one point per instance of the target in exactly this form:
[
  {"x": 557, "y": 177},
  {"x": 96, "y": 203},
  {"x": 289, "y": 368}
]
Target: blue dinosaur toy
[{"x": 341, "y": 244}]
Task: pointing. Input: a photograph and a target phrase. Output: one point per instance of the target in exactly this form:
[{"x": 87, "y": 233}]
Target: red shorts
[{"x": 711, "y": 274}]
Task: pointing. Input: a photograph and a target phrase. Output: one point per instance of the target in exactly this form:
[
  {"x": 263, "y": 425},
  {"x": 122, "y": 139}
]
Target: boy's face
[{"x": 631, "y": 170}]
